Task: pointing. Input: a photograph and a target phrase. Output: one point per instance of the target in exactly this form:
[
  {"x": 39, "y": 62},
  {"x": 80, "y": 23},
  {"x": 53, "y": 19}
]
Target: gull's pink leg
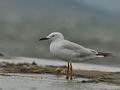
[
  {"x": 67, "y": 74},
  {"x": 71, "y": 71}
]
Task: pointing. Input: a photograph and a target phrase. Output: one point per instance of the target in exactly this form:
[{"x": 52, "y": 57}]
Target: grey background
[{"x": 92, "y": 23}]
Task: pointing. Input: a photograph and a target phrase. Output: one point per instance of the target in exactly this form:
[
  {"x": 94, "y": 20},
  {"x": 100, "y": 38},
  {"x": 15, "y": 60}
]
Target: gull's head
[{"x": 54, "y": 36}]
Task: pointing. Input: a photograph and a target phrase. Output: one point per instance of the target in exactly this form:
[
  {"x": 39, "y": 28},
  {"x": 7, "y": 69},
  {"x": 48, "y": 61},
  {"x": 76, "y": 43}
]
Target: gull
[{"x": 70, "y": 51}]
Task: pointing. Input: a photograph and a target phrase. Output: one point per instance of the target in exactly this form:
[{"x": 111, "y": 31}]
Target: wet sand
[{"x": 49, "y": 82}]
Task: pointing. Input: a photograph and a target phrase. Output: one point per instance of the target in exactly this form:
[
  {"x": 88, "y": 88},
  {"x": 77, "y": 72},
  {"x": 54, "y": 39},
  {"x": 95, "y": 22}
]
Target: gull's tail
[{"x": 102, "y": 54}]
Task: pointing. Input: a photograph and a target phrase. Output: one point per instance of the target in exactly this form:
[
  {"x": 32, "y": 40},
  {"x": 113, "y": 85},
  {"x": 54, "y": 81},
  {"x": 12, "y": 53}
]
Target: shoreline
[{"x": 27, "y": 68}]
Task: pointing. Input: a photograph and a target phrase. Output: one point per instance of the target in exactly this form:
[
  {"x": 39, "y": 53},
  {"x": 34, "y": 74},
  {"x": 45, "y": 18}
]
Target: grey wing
[{"x": 77, "y": 49}]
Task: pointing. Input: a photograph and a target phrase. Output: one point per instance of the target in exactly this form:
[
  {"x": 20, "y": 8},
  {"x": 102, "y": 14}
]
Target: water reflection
[{"x": 48, "y": 82}]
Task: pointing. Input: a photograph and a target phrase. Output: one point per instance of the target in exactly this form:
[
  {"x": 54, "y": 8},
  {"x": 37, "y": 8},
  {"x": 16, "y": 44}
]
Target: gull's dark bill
[{"x": 43, "y": 39}]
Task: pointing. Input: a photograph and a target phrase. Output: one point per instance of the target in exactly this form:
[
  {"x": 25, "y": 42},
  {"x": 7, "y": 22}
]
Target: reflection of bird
[{"x": 70, "y": 51}]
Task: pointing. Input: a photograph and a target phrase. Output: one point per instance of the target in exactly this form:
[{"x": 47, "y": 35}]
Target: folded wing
[{"x": 77, "y": 49}]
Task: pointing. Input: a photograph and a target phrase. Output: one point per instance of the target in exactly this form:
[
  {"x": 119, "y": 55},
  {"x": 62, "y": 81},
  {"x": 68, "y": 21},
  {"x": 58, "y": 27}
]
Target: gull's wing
[
  {"x": 93, "y": 51},
  {"x": 77, "y": 49}
]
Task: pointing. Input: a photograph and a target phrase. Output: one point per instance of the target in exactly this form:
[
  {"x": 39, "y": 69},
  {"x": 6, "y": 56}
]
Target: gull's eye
[{"x": 53, "y": 35}]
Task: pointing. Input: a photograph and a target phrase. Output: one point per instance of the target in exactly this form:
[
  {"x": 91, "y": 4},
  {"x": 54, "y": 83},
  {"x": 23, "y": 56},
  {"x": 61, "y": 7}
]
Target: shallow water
[{"x": 49, "y": 82}]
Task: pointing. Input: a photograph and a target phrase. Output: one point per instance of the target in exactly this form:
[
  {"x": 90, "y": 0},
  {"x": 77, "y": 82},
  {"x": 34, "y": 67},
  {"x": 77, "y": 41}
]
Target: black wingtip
[{"x": 105, "y": 54}]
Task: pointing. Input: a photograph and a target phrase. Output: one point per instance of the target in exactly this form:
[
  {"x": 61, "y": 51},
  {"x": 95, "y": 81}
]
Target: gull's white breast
[{"x": 57, "y": 50}]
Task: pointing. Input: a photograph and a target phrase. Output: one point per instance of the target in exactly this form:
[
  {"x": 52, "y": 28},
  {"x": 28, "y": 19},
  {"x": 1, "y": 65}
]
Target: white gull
[{"x": 71, "y": 51}]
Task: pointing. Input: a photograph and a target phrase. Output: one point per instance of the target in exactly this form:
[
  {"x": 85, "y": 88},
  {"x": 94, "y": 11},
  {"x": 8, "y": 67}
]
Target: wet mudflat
[
  {"x": 23, "y": 74},
  {"x": 99, "y": 74},
  {"x": 49, "y": 82}
]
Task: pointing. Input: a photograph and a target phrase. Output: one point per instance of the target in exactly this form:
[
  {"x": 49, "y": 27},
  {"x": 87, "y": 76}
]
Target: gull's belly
[{"x": 62, "y": 54}]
